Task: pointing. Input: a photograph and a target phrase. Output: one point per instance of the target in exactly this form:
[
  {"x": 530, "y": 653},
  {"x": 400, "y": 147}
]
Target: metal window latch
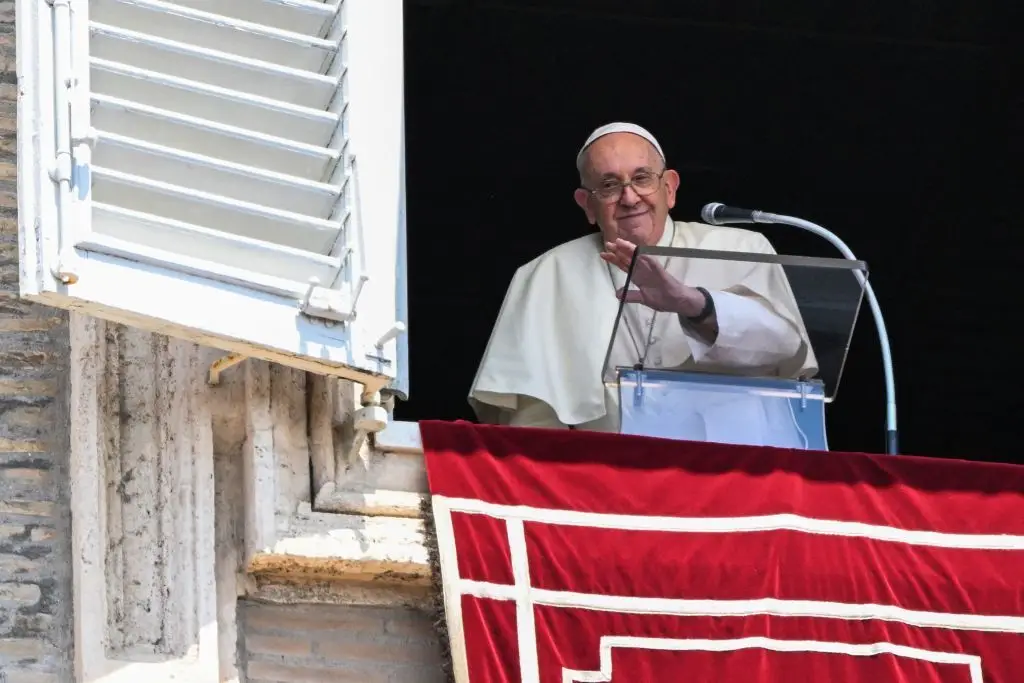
[{"x": 330, "y": 304}]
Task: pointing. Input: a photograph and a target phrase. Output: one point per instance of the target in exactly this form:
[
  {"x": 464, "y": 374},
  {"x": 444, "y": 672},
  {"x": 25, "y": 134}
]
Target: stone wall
[
  {"x": 35, "y": 567},
  {"x": 188, "y": 496},
  {"x": 337, "y": 644},
  {"x": 195, "y": 506}
]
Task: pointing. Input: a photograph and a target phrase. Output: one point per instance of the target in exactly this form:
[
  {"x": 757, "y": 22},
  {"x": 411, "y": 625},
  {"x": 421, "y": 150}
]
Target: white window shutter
[{"x": 225, "y": 171}]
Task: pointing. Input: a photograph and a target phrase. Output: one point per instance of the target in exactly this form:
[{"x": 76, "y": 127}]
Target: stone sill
[
  {"x": 401, "y": 438},
  {"x": 326, "y": 544},
  {"x": 393, "y": 483}
]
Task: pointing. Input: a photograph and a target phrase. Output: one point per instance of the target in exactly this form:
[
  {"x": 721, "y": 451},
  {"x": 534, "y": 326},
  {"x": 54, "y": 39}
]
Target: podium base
[{"x": 723, "y": 409}]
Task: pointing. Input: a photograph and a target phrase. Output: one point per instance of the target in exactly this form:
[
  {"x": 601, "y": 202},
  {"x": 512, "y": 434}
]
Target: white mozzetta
[{"x": 216, "y": 158}]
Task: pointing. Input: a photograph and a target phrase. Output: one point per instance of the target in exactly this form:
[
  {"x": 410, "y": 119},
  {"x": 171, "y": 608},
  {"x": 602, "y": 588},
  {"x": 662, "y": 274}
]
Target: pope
[{"x": 543, "y": 364}]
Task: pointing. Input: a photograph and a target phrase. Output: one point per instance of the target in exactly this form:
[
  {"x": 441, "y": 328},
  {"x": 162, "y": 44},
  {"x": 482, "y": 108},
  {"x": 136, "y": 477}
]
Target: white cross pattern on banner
[
  {"x": 608, "y": 643},
  {"x": 527, "y": 598}
]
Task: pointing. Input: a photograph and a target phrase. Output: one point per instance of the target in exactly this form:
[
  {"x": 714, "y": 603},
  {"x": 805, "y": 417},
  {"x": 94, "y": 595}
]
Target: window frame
[{"x": 222, "y": 307}]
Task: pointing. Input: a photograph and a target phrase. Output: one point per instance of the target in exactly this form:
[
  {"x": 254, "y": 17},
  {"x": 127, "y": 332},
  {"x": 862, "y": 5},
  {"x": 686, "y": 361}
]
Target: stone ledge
[
  {"x": 364, "y": 540},
  {"x": 285, "y": 590},
  {"x": 392, "y": 482},
  {"x": 370, "y": 502},
  {"x": 344, "y": 548},
  {"x": 400, "y": 437}
]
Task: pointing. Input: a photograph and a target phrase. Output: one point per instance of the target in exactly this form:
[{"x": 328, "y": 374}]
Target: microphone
[{"x": 720, "y": 214}]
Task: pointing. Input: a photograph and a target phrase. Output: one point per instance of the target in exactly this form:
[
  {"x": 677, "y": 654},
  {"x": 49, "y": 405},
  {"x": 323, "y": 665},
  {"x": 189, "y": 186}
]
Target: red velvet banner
[{"x": 570, "y": 556}]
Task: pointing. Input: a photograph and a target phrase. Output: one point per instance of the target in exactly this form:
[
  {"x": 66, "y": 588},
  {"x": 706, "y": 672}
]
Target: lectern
[{"x": 785, "y": 327}]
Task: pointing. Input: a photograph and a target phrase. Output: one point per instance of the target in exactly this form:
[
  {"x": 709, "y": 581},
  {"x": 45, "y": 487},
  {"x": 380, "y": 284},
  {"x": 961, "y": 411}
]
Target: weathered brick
[
  {"x": 28, "y": 475},
  {"x": 285, "y": 673},
  {"x": 7, "y": 126},
  {"x": 25, "y": 676},
  {"x": 35, "y": 642},
  {"x": 374, "y": 651},
  {"x": 8, "y": 200},
  {"x": 274, "y": 619},
  {"x": 25, "y": 483},
  {"x": 27, "y": 364},
  {"x": 21, "y": 648},
  {"x": 23, "y": 354},
  {"x": 25, "y": 391},
  {"x": 28, "y": 625},
  {"x": 11, "y": 306},
  {"x": 410, "y": 624},
  {"x": 19, "y": 595},
  {"x": 40, "y": 324},
  {"x": 279, "y": 645},
  {"x": 348, "y": 643},
  {"x": 8, "y": 247},
  {"x": 27, "y": 508},
  {"x": 21, "y": 446},
  {"x": 39, "y": 461},
  {"x": 12, "y": 565}
]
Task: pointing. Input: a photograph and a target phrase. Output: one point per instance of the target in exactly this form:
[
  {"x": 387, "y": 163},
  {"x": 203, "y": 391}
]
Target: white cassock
[{"x": 543, "y": 366}]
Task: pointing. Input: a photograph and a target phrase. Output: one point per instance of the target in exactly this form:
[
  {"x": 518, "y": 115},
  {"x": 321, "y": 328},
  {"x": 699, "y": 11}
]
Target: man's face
[{"x": 636, "y": 217}]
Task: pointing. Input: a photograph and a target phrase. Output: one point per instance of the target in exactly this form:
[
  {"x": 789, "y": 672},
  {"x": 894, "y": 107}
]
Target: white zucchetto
[{"x": 618, "y": 127}]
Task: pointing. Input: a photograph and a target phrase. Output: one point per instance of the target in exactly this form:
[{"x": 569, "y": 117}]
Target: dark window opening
[{"x": 894, "y": 129}]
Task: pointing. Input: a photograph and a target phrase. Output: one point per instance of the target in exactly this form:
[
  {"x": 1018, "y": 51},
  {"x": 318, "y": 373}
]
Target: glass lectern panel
[
  {"x": 722, "y": 409},
  {"x": 775, "y": 317}
]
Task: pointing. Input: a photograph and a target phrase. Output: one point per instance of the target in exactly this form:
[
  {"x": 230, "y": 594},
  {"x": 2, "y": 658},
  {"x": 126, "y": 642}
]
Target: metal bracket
[
  {"x": 371, "y": 418},
  {"x": 330, "y": 304},
  {"x": 379, "y": 357},
  {"x": 221, "y": 365},
  {"x": 638, "y": 390}
]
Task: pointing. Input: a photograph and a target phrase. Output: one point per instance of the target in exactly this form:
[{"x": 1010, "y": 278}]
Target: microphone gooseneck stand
[{"x": 730, "y": 215}]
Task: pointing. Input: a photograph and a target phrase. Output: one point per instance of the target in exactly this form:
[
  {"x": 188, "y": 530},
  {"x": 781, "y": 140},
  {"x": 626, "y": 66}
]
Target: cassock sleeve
[
  {"x": 749, "y": 334},
  {"x": 759, "y": 322}
]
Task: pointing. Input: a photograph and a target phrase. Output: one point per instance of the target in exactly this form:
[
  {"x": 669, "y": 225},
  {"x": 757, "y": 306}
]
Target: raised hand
[{"x": 655, "y": 287}]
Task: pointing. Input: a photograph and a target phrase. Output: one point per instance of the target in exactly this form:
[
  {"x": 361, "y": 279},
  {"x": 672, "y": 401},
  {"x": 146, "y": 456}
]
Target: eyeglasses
[{"x": 610, "y": 190}]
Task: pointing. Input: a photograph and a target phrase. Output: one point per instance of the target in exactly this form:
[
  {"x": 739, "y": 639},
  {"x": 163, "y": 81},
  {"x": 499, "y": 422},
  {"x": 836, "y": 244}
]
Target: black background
[{"x": 899, "y": 128}]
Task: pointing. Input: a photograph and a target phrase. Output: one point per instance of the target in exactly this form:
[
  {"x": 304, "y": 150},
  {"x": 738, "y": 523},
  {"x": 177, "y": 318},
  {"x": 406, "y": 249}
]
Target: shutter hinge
[{"x": 331, "y": 305}]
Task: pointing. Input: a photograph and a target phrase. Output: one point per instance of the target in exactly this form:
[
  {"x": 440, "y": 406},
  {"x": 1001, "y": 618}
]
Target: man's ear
[
  {"x": 582, "y": 198},
  {"x": 671, "y": 185}
]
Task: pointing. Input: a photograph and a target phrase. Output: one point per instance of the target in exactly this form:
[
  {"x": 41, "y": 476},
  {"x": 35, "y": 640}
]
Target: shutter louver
[
  {"x": 229, "y": 172},
  {"x": 219, "y": 137}
]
